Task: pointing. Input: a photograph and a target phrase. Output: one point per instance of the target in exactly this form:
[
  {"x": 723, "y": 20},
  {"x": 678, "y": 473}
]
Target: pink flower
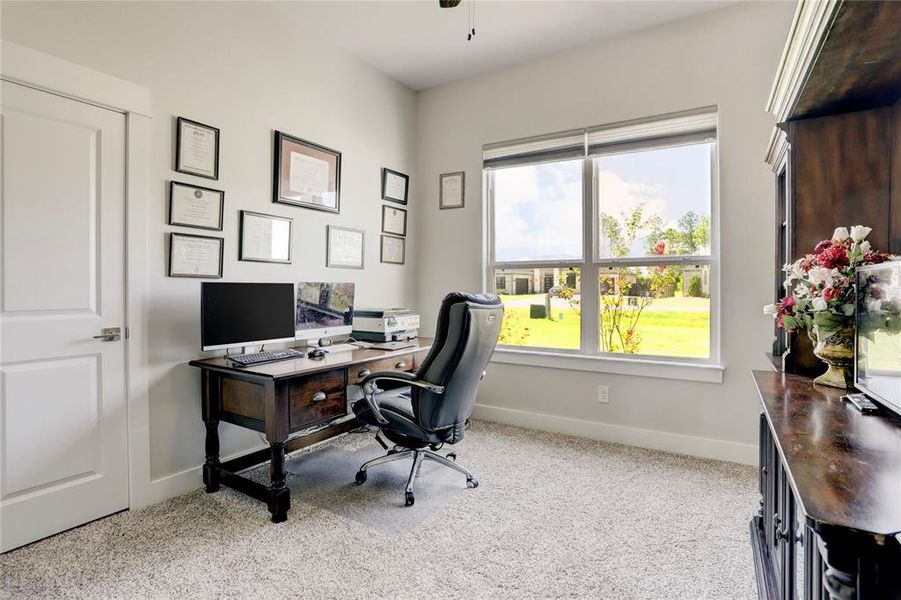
[
  {"x": 830, "y": 294},
  {"x": 660, "y": 248},
  {"x": 874, "y": 258}
]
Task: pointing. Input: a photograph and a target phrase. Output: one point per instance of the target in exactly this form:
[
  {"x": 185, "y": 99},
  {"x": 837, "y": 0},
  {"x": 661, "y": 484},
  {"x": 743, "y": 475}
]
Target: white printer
[{"x": 385, "y": 324}]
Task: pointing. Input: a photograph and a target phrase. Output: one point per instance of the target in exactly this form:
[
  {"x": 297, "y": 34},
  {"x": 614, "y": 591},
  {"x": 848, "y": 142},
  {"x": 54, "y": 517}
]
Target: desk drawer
[
  {"x": 395, "y": 363},
  {"x": 418, "y": 357},
  {"x": 317, "y": 398}
]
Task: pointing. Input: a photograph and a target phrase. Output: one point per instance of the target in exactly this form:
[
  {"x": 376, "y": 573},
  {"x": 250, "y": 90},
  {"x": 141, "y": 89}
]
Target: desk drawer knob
[
  {"x": 318, "y": 396},
  {"x": 400, "y": 365},
  {"x": 364, "y": 373}
]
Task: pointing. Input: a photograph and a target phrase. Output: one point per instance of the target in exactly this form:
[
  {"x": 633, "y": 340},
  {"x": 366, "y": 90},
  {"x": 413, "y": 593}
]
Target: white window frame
[{"x": 589, "y": 357}]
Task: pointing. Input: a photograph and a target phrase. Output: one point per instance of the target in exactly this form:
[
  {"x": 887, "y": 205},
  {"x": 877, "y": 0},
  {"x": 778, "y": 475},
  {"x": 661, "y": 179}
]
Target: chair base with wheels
[{"x": 418, "y": 454}]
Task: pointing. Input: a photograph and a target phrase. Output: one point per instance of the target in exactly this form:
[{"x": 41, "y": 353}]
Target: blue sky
[{"x": 538, "y": 207}]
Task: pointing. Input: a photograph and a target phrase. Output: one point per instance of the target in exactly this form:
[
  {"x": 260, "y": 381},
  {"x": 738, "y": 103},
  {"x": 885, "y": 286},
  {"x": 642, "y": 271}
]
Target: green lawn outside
[{"x": 663, "y": 332}]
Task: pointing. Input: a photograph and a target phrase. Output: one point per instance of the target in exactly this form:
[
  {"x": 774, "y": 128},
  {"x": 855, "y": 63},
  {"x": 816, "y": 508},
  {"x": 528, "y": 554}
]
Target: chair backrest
[{"x": 468, "y": 328}]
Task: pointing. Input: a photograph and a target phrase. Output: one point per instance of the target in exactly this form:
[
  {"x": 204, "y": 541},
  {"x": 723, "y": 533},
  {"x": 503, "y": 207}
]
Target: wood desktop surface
[{"x": 283, "y": 369}]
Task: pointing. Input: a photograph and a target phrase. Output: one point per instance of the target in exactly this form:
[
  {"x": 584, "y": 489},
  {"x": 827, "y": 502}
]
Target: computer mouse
[{"x": 317, "y": 353}]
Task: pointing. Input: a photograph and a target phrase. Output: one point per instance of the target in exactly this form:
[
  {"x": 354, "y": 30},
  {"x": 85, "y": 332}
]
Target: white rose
[
  {"x": 770, "y": 309},
  {"x": 864, "y": 247},
  {"x": 818, "y": 275},
  {"x": 801, "y": 291},
  {"x": 819, "y": 304},
  {"x": 840, "y": 234},
  {"x": 859, "y": 232}
]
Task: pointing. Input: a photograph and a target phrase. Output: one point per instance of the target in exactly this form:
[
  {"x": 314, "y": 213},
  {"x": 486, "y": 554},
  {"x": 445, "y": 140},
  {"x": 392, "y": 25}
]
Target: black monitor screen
[
  {"x": 878, "y": 344},
  {"x": 234, "y": 314},
  {"x": 324, "y": 305}
]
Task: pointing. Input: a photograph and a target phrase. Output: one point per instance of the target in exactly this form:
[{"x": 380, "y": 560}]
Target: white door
[{"x": 63, "y": 436}]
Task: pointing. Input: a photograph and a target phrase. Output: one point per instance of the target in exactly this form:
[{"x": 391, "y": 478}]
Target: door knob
[{"x": 110, "y": 334}]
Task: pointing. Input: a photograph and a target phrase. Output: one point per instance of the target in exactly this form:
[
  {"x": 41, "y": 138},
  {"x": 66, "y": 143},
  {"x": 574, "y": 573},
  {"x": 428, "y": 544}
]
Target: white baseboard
[{"x": 620, "y": 434}]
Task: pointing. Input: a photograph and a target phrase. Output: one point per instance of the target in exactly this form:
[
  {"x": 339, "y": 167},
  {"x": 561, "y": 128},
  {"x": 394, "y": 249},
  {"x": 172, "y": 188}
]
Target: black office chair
[{"x": 432, "y": 408}]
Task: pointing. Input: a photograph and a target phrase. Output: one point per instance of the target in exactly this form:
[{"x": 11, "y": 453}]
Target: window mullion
[{"x": 589, "y": 305}]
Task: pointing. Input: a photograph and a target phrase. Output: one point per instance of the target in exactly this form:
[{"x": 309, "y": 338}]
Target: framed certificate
[
  {"x": 393, "y": 249},
  {"x": 306, "y": 174},
  {"x": 265, "y": 238},
  {"x": 195, "y": 256},
  {"x": 394, "y": 220},
  {"x": 196, "y": 149},
  {"x": 195, "y": 206},
  {"x": 344, "y": 247},
  {"x": 452, "y": 187},
  {"x": 395, "y": 186}
]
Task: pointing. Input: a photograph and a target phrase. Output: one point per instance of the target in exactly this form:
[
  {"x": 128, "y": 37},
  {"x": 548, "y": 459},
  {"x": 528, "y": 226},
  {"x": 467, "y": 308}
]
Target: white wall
[
  {"x": 224, "y": 66},
  {"x": 726, "y": 58}
]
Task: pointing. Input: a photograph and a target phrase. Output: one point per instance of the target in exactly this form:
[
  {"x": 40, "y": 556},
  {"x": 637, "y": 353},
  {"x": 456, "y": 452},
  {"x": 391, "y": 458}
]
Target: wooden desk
[{"x": 295, "y": 403}]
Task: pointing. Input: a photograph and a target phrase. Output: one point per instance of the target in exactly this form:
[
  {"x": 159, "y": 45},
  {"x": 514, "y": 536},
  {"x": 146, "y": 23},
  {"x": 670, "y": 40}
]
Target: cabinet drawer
[
  {"x": 395, "y": 363},
  {"x": 317, "y": 398}
]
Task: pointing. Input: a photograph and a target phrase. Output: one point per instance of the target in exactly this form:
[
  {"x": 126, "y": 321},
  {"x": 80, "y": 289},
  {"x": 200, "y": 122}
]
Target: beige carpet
[{"x": 554, "y": 517}]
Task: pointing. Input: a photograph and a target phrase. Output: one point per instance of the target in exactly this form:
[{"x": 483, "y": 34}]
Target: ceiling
[{"x": 422, "y": 45}]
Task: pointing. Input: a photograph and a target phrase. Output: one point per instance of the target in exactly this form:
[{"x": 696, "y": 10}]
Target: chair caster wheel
[
  {"x": 452, "y": 456},
  {"x": 409, "y": 499},
  {"x": 361, "y": 477},
  {"x": 473, "y": 483}
]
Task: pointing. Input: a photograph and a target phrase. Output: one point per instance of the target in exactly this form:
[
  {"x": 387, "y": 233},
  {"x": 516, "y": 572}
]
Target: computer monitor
[
  {"x": 323, "y": 310},
  {"x": 245, "y": 314}
]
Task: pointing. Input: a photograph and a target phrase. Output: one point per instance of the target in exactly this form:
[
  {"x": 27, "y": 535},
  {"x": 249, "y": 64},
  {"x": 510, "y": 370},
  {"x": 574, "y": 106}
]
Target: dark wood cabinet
[
  {"x": 836, "y": 153},
  {"x": 829, "y": 521}
]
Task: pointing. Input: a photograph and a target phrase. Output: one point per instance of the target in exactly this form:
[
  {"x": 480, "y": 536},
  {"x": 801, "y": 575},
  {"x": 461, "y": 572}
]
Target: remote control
[{"x": 862, "y": 403}]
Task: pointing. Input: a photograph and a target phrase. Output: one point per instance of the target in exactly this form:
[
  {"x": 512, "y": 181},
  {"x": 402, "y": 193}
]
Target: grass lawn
[{"x": 663, "y": 332}]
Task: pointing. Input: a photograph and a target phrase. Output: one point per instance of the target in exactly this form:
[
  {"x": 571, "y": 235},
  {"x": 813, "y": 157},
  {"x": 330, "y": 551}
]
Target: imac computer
[
  {"x": 245, "y": 314},
  {"x": 324, "y": 310}
]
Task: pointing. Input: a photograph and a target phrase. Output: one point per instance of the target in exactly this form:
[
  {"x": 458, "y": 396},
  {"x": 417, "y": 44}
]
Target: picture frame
[
  {"x": 264, "y": 238},
  {"x": 393, "y": 250},
  {"x": 306, "y": 174},
  {"x": 196, "y": 149},
  {"x": 395, "y": 186},
  {"x": 196, "y": 206},
  {"x": 195, "y": 256},
  {"x": 394, "y": 220},
  {"x": 345, "y": 247},
  {"x": 451, "y": 190}
]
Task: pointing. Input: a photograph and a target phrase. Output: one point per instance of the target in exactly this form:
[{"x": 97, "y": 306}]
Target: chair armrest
[{"x": 370, "y": 389}]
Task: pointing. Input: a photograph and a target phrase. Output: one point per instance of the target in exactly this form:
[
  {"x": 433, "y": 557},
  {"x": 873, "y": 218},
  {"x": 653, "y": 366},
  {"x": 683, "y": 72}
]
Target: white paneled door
[{"x": 63, "y": 427}]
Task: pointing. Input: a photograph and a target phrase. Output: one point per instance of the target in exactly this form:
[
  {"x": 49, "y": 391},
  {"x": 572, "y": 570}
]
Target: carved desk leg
[
  {"x": 211, "y": 466},
  {"x": 279, "y": 495}
]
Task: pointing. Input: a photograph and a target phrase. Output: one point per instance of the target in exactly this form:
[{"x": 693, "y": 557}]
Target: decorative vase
[{"x": 837, "y": 351}]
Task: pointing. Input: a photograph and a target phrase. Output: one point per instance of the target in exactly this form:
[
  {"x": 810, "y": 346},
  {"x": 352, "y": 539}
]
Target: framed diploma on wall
[
  {"x": 395, "y": 186},
  {"x": 265, "y": 238},
  {"x": 452, "y": 188},
  {"x": 195, "y": 206},
  {"x": 195, "y": 256},
  {"x": 306, "y": 174},
  {"x": 394, "y": 220},
  {"x": 393, "y": 249},
  {"x": 196, "y": 148},
  {"x": 344, "y": 247}
]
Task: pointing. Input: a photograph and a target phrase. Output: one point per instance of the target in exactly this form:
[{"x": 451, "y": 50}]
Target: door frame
[{"x": 34, "y": 69}]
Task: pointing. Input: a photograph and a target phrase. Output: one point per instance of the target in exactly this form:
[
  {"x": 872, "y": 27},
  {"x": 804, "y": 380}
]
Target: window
[{"x": 603, "y": 241}]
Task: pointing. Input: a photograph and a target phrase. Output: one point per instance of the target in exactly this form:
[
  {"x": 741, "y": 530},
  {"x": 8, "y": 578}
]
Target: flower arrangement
[
  {"x": 819, "y": 287},
  {"x": 820, "y": 297}
]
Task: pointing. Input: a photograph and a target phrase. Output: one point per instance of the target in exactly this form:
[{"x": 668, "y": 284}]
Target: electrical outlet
[{"x": 604, "y": 394}]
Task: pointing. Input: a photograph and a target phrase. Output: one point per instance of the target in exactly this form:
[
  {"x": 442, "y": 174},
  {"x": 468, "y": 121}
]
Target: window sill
[{"x": 663, "y": 369}]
